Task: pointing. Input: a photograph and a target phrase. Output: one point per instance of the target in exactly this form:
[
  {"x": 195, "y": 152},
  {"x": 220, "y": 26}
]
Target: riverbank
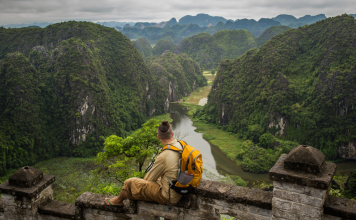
[{"x": 230, "y": 144}]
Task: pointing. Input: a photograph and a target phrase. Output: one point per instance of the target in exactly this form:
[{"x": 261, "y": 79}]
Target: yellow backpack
[{"x": 191, "y": 169}]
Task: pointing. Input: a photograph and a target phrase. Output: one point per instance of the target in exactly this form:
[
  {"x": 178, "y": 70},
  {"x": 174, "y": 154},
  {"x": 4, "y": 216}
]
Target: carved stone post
[
  {"x": 302, "y": 181},
  {"x": 23, "y": 193}
]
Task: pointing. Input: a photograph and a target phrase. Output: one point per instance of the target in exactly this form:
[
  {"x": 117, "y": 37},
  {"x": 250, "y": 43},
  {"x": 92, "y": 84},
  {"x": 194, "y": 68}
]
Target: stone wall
[{"x": 297, "y": 194}]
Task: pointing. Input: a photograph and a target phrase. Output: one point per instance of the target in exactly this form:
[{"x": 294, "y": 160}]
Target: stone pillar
[
  {"x": 302, "y": 181},
  {"x": 23, "y": 193}
]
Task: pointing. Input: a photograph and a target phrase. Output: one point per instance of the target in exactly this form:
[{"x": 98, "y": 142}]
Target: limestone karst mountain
[
  {"x": 290, "y": 20},
  {"x": 163, "y": 46},
  {"x": 208, "y": 50},
  {"x": 144, "y": 47},
  {"x": 175, "y": 76},
  {"x": 299, "y": 85},
  {"x": 203, "y": 20},
  {"x": 269, "y": 33},
  {"x": 192, "y": 25},
  {"x": 66, "y": 87}
]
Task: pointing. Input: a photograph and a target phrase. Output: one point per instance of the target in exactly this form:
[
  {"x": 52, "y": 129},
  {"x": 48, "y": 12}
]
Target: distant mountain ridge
[
  {"x": 178, "y": 32},
  {"x": 203, "y": 20},
  {"x": 209, "y": 50},
  {"x": 290, "y": 20}
]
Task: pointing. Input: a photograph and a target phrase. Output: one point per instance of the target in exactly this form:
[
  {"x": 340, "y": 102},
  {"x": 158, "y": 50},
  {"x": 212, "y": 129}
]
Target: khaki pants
[{"x": 140, "y": 189}]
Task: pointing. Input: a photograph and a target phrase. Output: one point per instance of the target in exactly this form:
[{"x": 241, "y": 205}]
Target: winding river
[{"x": 215, "y": 160}]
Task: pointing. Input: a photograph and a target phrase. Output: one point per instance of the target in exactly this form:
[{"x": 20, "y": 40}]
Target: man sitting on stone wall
[{"x": 155, "y": 185}]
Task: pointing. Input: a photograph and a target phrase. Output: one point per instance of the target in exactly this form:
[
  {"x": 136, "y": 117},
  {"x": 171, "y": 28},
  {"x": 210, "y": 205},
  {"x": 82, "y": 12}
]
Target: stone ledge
[
  {"x": 319, "y": 181},
  {"x": 306, "y": 190},
  {"x": 97, "y": 201},
  {"x": 27, "y": 192},
  {"x": 340, "y": 207},
  {"x": 235, "y": 194},
  {"x": 58, "y": 209},
  {"x": 1, "y": 205}
]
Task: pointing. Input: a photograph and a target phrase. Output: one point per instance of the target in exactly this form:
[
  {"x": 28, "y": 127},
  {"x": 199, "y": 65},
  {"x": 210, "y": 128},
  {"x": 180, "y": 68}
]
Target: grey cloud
[
  {"x": 22, "y": 11},
  {"x": 96, "y": 9}
]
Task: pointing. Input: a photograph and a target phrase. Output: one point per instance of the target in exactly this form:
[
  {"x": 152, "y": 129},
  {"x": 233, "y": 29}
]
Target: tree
[
  {"x": 124, "y": 158},
  {"x": 266, "y": 140}
]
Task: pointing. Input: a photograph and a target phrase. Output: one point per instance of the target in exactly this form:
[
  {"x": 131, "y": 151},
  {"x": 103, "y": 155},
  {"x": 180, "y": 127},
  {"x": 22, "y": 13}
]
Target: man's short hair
[{"x": 164, "y": 130}]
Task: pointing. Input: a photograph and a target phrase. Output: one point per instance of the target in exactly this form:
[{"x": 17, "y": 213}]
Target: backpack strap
[
  {"x": 183, "y": 143},
  {"x": 172, "y": 148},
  {"x": 169, "y": 193}
]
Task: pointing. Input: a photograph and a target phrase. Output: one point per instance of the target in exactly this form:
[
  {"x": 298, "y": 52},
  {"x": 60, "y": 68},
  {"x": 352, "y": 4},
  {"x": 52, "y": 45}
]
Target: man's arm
[{"x": 158, "y": 168}]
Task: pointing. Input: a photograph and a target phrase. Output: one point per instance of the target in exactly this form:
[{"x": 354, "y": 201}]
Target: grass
[
  {"x": 228, "y": 142},
  {"x": 199, "y": 93},
  {"x": 72, "y": 175},
  {"x": 340, "y": 178},
  {"x": 164, "y": 117}
]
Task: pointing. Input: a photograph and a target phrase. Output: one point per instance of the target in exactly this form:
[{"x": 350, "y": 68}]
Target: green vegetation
[
  {"x": 297, "y": 86},
  {"x": 209, "y": 50},
  {"x": 144, "y": 47},
  {"x": 73, "y": 85},
  {"x": 72, "y": 176},
  {"x": 346, "y": 185},
  {"x": 252, "y": 158},
  {"x": 124, "y": 158},
  {"x": 162, "y": 46},
  {"x": 257, "y": 159},
  {"x": 269, "y": 33},
  {"x": 290, "y": 20},
  {"x": 175, "y": 76},
  {"x": 187, "y": 27}
]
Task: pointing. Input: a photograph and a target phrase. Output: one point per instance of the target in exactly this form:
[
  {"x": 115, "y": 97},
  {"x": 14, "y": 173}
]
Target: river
[{"x": 214, "y": 159}]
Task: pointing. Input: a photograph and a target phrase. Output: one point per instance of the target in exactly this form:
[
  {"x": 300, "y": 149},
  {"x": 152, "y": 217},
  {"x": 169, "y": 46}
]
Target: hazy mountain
[
  {"x": 115, "y": 23},
  {"x": 42, "y": 25},
  {"x": 290, "y": 20},
  {"x": 203, "y": 20}
]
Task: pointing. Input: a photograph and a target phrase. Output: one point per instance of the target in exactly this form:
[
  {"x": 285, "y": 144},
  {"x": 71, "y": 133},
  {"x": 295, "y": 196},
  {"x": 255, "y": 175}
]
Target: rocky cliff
[
  {"x": 175, "y": 76},
  {"x": 66, "y": 87},
  {"x": 298, "y": 85}
]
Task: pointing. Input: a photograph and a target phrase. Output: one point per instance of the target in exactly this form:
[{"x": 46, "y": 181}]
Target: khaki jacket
[{"x": 166, "y": 164}]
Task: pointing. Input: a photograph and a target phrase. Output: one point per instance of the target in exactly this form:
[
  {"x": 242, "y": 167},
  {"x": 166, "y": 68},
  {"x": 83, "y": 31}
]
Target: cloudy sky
[{"x": 28, "y": 11}]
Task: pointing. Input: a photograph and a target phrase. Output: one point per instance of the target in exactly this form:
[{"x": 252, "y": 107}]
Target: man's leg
[{"x": 118, "y": 200}]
